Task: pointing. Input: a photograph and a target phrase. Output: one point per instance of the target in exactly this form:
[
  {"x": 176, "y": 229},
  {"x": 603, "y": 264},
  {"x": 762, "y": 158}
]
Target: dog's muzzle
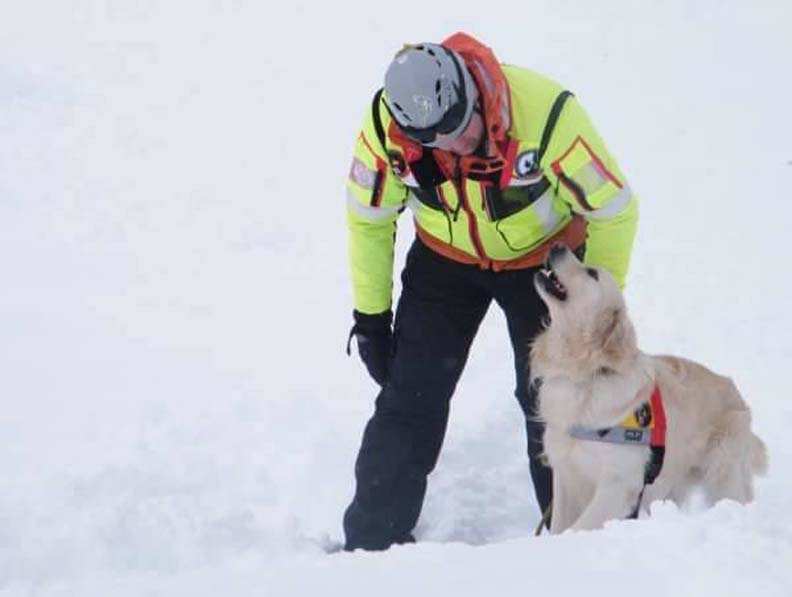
[{"x": 551, "y": 284}]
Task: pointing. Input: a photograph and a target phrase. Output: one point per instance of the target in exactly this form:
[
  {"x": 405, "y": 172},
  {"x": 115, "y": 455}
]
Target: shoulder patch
[
  {"x": 585, "y": 175},
  {"x": 361, "y": 175}
]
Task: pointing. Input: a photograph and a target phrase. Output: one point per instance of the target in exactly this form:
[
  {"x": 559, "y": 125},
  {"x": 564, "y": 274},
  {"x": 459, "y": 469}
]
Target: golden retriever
[{"x": 591, "y": 375}]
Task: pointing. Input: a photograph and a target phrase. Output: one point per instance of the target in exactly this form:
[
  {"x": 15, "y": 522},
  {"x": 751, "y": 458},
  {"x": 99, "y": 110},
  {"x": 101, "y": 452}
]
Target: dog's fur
[{"x": 590, "y": 372}]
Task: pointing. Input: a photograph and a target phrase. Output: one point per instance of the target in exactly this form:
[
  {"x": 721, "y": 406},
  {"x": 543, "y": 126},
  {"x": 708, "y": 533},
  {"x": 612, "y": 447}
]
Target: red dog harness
[{"x": 646, "y": 426}]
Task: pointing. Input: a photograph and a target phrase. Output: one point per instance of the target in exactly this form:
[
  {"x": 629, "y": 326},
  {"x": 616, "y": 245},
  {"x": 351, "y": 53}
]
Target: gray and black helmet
[{"x": 429, "y": 92}]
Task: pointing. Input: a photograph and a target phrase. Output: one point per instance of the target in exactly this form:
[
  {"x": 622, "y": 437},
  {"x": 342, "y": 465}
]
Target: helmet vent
[{"x": 403, "y": 113}]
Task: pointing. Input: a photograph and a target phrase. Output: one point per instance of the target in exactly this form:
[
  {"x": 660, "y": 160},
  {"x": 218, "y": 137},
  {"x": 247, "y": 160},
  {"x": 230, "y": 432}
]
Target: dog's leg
[
  {"x": 728, "y": 473},
  {"x": 613, "y": 499},
  {"x": 679, "y": 491},
  {"x": 564, "y": 503},
  {"x": 733, "y": 483}
]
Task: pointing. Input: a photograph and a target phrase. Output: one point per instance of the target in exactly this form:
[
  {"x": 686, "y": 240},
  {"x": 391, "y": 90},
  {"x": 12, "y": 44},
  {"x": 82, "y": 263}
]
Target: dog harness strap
[
  {"x": 641, "y": 428},
  {"x": 613, "y": 435},
  {"x": 658, "y": 415},
  {"x": 645, "y": 427},
  {"x": 655, "y": 464}
]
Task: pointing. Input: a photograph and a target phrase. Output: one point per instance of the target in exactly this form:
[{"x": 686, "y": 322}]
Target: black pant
[{"x": 439, "y": 312}]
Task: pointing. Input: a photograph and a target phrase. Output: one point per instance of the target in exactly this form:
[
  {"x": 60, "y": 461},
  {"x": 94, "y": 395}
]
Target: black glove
[{"x": 374, "y": 340}]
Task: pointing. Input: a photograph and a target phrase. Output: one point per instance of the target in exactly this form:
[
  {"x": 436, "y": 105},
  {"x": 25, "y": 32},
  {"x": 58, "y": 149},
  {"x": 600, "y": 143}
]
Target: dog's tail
[
  {"x": 733, "y": 441},
  {"x": 736, "y": 454}
]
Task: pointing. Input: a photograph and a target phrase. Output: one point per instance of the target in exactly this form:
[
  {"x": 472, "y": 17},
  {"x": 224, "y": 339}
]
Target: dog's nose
[{"x": 557, "y": 251}]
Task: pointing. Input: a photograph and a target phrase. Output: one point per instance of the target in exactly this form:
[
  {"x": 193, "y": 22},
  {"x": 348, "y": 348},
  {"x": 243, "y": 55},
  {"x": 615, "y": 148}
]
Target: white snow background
[{"x": 178, "y": 415}]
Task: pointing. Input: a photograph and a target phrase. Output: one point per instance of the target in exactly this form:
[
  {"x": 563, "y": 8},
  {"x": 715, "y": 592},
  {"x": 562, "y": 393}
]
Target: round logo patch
[
  {"x": 526, "y": 164},
  {"x": 397, "y": 163}
]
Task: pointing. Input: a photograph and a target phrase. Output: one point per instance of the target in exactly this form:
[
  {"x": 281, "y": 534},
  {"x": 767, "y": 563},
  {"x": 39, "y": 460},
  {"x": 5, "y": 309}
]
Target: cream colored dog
[{"x": 591, "y": 375}]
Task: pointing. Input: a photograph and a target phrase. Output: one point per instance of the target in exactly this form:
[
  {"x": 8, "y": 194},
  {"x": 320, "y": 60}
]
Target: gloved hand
[{"x": 374, "y": 340}]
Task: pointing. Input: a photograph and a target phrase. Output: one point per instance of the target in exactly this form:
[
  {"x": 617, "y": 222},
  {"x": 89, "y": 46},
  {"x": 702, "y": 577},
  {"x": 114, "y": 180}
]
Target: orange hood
[{"x": 487, "y": 73}]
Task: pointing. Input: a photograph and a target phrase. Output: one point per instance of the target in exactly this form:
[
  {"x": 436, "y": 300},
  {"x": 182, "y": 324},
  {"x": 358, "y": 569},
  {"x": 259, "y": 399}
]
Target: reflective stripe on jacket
[{"x": 493, "y": 216}]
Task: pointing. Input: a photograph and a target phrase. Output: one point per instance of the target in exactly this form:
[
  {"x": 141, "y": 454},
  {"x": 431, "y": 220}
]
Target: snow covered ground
[{"x": 178, "y": 415}]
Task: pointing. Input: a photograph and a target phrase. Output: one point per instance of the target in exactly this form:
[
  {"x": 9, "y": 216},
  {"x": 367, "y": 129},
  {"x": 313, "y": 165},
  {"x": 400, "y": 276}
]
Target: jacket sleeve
[
  {"x": 375, "y": 198},
  {"x": 587, "y": 177}
]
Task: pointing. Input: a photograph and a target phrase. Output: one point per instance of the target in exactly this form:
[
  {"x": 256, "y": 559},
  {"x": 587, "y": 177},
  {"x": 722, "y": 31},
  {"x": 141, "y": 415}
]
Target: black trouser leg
[
  {"x": 439, "y": 312},
  {"x": 525, "y": 311}
]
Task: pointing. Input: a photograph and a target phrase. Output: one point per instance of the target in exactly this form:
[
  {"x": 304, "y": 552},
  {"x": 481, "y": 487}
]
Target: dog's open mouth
[{"x": 552, "y": 284}]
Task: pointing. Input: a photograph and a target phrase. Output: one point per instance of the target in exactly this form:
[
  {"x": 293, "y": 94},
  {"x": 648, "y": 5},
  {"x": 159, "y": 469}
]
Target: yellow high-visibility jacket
[{"x": 542, "y": 188}]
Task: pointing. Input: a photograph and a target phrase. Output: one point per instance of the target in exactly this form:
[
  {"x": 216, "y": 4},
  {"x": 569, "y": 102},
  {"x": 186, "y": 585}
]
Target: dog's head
[
  {"x": 573, "y": 291},
  {"x": 588, "y": 317}
]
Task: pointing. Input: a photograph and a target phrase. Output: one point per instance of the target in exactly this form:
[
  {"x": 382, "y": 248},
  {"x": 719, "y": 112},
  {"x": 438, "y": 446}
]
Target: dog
[{"x": 591, "y": 376}]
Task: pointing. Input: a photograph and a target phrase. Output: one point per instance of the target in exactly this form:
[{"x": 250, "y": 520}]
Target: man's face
[{"x": 467, "y": 142}]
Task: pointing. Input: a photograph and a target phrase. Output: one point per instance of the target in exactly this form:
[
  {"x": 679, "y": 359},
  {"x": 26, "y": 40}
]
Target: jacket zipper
[{"x": 472, "y": 228}]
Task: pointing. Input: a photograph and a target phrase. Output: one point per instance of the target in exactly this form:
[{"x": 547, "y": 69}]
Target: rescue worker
[{"x": 497, "y": 164}]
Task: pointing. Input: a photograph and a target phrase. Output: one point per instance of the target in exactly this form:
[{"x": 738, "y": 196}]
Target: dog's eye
[{"x": 592, "y": 272}]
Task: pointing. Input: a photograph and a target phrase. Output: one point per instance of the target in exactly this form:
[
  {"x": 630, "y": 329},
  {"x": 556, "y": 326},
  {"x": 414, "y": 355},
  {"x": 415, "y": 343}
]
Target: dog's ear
[{"x": 614, "y": 333}]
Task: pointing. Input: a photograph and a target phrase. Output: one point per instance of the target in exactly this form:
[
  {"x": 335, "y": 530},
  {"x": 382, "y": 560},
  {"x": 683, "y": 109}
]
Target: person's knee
[{"x": 412, "y": 405}]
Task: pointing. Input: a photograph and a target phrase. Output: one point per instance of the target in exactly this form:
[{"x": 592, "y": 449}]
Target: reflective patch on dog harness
[{"x": 613, "y": 435}]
